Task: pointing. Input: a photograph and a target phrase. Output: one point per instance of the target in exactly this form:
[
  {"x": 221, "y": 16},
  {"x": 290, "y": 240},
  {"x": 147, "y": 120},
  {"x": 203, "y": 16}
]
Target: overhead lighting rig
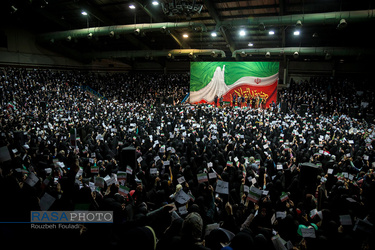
[{"x": 181, "y": 7}]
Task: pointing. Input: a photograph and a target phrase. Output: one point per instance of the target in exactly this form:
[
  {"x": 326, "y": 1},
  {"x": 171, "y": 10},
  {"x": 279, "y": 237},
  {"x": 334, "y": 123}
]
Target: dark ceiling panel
[{"x": 42, "y": 16}]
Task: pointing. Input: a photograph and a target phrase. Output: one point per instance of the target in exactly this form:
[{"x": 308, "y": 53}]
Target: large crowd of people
[
  {"x": 203, "y": 177},
  {"x": 324, "y": 95},
  {"x": 139, "y": 87}
]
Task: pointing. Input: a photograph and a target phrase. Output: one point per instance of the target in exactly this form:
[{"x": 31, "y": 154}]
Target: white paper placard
[
  {"x": 181, "y": 197},
  {"x": 280, "y": 214},
  {"x": 109, "y": 180},
  {"x": 346, "y": 220},
  {"x": 32, "y": 179},
  {"x": 181, "y": 179},
  {"x": 222, "y": 187},
  {"x": 212, "y": 175},
  {"x": 46, "y": 201},
  {"x": 308, "y": 232},
  {"x": 182, "y": 210},
  {"x": 139, "y": 160}
]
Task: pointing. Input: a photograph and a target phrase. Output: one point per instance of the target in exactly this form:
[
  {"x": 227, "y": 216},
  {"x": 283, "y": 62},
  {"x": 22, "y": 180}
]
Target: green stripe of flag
[{"x": 201, "y": 73}]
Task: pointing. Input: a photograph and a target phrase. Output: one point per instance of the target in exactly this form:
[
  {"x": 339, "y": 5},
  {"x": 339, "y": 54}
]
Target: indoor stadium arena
[{"x": 187, "y": 124}]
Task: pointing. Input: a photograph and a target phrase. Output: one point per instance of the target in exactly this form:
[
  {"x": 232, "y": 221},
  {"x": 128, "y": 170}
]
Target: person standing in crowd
[
  {"x": 264, "y": 101},
  {"x": 243, "y": 100},
  {"x": 248, "y": 100},
  {"x": 260, "y": 101},
  {"x": 234, "y": 99},
  {"x": 239, "y": 101},
  {"x": 273, "y": 106},
  {"x": 215, "y": 100},
  {"x": 221, "y": 101},
  {"x": 253, "y": 102}
]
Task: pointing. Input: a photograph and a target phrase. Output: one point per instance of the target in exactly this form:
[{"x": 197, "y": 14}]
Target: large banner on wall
[{"x": 228, "y": 79}]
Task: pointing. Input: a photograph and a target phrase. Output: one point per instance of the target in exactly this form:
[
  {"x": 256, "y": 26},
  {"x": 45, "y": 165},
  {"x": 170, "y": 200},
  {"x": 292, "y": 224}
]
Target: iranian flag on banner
[
  {"x": 254, "y": 194},
  {"x": 123, "y": 190},
  {"x": 11, "y": 105},
  {"x": 202, "y": 177},
  {"x": 284, "y": 196},
  {"x": 244, "y": 79}
]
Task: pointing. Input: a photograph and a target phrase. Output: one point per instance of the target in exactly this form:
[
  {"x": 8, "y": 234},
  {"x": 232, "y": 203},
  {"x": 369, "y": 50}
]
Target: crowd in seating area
[
  {"x": 327, "y": 96},
  {"x": 203, "y": 177},
  {"x": 139, "y": 87}
]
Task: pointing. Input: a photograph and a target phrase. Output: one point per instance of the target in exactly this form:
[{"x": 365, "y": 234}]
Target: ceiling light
[
  {"x": 296, "y": 33},
  {"x": 13, "y": 9},
  {"x": 342, "y": 25},
  {"x": 250, "y": 45},
  {"x": 185, "y": 8},
  {"x": 84, "y": 13},
  {"x": 271, "y": 32},
  {"x": 242, "y": 33},
  {"x": 155, "y": 3},
  {"x": 213, "y": 34},
  {"x": 132, "y": 6},
  {"x": 213, "y": 54},
  {"x": 185, "y": 35},
  {"x": 163, "y": 29}
]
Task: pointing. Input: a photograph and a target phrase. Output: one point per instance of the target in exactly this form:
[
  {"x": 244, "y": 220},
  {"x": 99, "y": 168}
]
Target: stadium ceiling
[{"x": 196, "y": 29}]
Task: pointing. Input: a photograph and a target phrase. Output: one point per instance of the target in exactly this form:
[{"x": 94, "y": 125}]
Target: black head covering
[
  {"x": 242, "y": 240},
  {"x": 260, "y": 242},
  {"x": 216, "y": 238},
  {"x": 141, "y": 238}
]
